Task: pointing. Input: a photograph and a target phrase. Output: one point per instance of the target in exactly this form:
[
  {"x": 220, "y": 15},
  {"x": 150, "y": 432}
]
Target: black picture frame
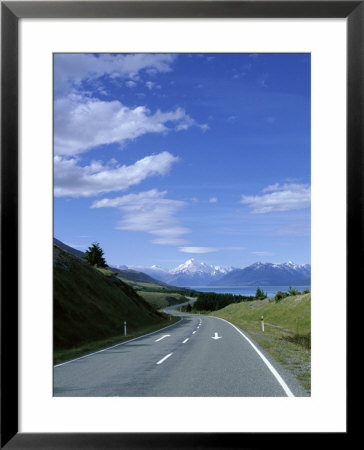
[{"x": 11, "y": 12}]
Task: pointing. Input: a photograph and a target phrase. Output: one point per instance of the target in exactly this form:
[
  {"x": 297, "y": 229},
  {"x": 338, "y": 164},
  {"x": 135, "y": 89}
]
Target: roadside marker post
[
  {"x": 124, "y": 328},
  {"x": 262, "y": 323}
]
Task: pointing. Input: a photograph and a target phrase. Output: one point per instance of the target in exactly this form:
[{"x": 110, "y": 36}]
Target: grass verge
[
  {"x": 286, "y": 333},
  {"x": 60, "y": 356}
]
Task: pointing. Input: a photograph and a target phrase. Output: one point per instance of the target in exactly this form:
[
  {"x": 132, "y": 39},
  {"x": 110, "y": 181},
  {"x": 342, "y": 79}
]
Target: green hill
[
  {"x": 90, "y": 307},
  {"x": 69, "y": 249},
  {"x": 292, "y": 314},
  {"x": 161, "y": 300},
  {"x": 134, "y": 275},
  {"x": 138, "y": 280}
]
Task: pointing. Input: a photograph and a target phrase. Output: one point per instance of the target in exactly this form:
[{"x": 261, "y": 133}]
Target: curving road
[{"x": 198, "y": 356}]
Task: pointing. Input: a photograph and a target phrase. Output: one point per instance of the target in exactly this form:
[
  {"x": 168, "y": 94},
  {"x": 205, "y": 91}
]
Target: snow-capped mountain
[
  {"x": 265, "y": 274},
  {"x": 121, "y": 267},
  {"x": 193, "y": 273},
  {"x": 190, "y": 273},
  {"x": 193, "y": 266}
]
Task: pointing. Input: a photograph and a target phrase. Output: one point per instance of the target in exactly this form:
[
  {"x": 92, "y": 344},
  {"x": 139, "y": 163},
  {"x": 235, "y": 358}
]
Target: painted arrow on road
[
  {"x": 216, "y": 336},
  {"x": 166, "y": 335}
]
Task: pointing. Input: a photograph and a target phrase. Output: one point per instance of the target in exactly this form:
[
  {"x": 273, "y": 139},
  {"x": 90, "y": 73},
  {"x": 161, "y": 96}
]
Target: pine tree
[
  {"x": 260, "y": 295},
  {"x": 94, "y": 255}
]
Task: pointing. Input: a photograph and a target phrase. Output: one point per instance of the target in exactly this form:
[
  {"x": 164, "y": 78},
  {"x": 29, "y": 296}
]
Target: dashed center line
[
  {"x": 163, "y": 359},
  {"x": 185, "y": 341}
]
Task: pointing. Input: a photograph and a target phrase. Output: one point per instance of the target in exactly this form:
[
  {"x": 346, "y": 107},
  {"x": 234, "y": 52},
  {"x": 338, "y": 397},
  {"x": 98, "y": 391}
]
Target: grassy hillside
[
  {"x": 141, "y": 285},
  {"x": 153, "y": 286},
  {"x": 161, "y": 300},
  {"x": 136, "y": 277},
  {"x": 138, "y": 280},
  {"x": 69, "y": 249},
  {"x": 292, "y": 313},
  {"x": 287, "y": 330},
  {"x": 90, "y": 306}
]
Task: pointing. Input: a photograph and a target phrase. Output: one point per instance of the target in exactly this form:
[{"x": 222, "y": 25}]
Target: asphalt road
[{"x": 198, "y": 356}]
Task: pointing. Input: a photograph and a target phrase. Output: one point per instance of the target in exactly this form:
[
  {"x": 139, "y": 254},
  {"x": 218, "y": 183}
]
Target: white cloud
[
  {"x": 73, "y": 180},
  {"x": 198, "y": 249},
  {"x": 150, "y": 84},
  {"x": 285, "y": 187},
  {"x": 149, "y": 212},
  {"x": 81, "y": 123},
  {"x": 204, "y": 127},
  {"x": 277, "y": 197},
  {"x": 71, "y": 69},
  {"x": 213, "y": 200},
  {"x": 130, "y": 84}
]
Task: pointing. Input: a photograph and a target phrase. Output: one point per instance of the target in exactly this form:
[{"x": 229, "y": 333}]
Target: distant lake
[{"x": 248, "y": 290}]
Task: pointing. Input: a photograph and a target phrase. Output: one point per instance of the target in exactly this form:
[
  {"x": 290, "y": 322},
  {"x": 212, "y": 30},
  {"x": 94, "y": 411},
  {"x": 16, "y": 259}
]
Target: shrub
[
  {"x": 260, "y": 295},
  {"x": 304, "y": 340},
  {"x": 280, "y": 296},
  {"x": 293, "y": 291}
]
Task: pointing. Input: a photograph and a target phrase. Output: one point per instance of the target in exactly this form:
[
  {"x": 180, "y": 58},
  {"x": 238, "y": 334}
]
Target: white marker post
[
  {"x": 262, "y": 323},
  {"x": 124, "y": 328}
]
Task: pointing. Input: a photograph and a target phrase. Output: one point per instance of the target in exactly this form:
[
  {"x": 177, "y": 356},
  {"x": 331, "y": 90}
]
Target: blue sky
[{"x": 164, "y": 157}]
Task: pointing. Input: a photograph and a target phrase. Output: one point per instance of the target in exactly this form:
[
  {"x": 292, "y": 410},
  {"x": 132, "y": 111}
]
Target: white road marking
[
  {"x": 163, "y": 359},
  {"x": 216, "y": 336},
  {"x": 117, "y": 345},
  {"x": 185, "y": 340},
  {"x": 166, "y": 335},
  {"x": 268, "y": 364}
]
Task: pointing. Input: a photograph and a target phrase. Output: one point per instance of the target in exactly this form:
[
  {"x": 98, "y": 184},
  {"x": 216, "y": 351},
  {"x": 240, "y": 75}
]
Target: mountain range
[
  {"x": 190, "y": 273},
  {"x": 194, "y": 273},
  {"x": 268, "y": 274}
]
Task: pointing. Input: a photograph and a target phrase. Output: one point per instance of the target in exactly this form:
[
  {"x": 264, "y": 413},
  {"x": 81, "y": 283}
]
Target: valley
[{"x": 91, "y": 305}]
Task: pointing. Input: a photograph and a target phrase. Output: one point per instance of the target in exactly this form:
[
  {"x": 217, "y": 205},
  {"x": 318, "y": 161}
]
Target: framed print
[{"x": 185, "y": 135}]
